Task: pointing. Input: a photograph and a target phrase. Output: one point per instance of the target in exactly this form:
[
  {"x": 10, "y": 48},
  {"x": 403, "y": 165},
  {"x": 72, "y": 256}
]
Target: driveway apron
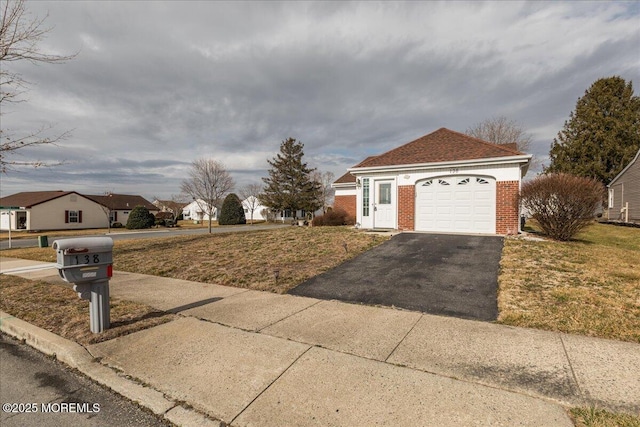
[{"x": 452, "y": 275}]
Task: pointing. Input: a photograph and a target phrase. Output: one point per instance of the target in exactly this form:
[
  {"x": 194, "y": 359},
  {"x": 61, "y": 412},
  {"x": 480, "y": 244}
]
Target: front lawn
[
  {"x": 246, "y": 260},
  {"x": 588, "y": 286}
]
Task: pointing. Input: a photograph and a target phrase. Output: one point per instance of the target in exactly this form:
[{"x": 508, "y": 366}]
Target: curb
[{"x": 76, "y": 356}]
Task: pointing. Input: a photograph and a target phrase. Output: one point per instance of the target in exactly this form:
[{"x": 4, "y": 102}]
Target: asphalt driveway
[{"x": 453, "y": 275}]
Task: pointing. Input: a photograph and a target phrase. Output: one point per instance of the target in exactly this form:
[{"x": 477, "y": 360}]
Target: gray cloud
[{"x": 158, "y": 84}]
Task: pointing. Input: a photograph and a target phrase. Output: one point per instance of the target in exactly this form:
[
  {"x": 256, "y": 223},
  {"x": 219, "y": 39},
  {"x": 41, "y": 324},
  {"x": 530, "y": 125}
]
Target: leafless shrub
[
  {"x": 562, "y": 204},
  {"x": 333, "y": 218}
]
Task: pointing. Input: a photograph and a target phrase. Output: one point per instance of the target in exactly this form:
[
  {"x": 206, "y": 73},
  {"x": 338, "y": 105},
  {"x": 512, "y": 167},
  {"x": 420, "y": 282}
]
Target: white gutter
[{"x": 474, "y": 162}]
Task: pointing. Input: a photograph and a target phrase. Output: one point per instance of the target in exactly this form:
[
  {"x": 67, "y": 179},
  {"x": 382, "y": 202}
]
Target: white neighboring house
[
  {"x": 50, "y": 210},
  {"x": 260, "y": 212},
  {"x": 197, "y": 211},
  {"x": 66, "y": 210}
]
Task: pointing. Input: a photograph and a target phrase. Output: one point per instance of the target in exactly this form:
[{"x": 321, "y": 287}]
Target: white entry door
[{"x": 384, "y": 206}]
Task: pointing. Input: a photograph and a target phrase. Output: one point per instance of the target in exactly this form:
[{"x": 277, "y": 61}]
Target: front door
[{"x": 384, "y": 205}]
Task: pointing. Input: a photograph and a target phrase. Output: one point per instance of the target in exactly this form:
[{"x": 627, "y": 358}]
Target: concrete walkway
[{"x": 256, "y": 358}]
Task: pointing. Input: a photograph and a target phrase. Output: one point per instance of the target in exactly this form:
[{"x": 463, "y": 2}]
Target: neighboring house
[
  {"x": 197, "y": 211},
  {"x": 262, "y": 213},
  {"x": 169, "y": 206},
  {"x": 445, "y": 181},
  {"x": 51, "y": 210},
  {"x": 259, "y": 210},
  {"x": 119, "y": 206},
  {"x": 624, "y": 193}
]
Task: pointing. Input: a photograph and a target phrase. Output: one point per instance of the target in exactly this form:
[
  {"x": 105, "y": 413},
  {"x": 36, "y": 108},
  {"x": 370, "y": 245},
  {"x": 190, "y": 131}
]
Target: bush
[
  {"x": 232, "y": 212},
  {"x": 333, "y": 218},
  {"x": 117, "y": 225},
  {"x": 562, "y": 204},
  {"x": 139, "y": 218}
]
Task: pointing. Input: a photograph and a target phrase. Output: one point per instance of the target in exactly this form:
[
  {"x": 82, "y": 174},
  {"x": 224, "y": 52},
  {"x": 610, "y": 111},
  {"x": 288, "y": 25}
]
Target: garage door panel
[
  {"x": 460, "y": 203},
  {"x": 444, "y": 210}
]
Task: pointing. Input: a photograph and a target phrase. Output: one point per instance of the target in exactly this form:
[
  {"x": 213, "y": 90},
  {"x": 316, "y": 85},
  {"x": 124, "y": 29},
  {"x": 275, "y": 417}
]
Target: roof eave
[
  {"x": 436, "y": 165},
  {"x": 343, "y": 185}
]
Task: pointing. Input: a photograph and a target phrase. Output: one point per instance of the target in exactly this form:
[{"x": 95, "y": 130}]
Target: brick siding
[
  {"x": 406, "y": 207},
  {"x": 507, "y": 219},
  {"x": 346, "y": 203}
]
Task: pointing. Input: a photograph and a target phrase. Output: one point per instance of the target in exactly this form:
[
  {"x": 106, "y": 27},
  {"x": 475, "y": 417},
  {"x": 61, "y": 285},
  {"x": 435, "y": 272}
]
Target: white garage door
[{"x": 464, "y": 204}]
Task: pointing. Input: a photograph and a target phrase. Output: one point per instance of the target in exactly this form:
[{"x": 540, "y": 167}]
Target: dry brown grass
[
  {"x": 588, "y": 286},
  {"x": 245, "y": 260},
  {"x": 59, "y": 310},
  {"x": 593, "y": 417}
]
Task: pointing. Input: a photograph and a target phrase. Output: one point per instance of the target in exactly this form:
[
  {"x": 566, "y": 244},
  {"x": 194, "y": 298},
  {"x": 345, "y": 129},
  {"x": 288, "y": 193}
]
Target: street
[
  {"x": 123, "y": 234},
  {"x": 36, "y": 390}
]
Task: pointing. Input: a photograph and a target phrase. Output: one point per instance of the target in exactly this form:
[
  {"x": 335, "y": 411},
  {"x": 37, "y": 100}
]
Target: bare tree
[
  {"x": 501, "y": 130},
  {"x": 107, "y": 206},
  {"x": 20, "y": 36},
  {"x": 251, "y": 198},
  {"x": 208, "y": 184},
  {"x": 326, "y": 192}
]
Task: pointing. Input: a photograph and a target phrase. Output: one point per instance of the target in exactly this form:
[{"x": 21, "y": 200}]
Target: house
[
  {"x": 624, "y": 193},
  {"x": 51, "y": 210},
  {"x": 66, "y": 210},
  {"x": 171, "y": 206},
  {"x": 445, "y": 181},
  {"x": 119, "y": 206},
  {"x": 197, "y": 211},
  {"x": 262, "y": 213}
]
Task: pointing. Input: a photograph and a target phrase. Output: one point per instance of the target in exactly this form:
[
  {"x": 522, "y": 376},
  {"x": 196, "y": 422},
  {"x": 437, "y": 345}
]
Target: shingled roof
[
  {"x": 27, "y": 199},
  {"x": 347, "y": 178},
  {"x": 123, "y": 201},
  {"x": 443, "y": 145}
]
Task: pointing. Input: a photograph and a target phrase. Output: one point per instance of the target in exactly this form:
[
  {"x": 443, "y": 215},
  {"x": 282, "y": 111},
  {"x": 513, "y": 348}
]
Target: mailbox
[
  {"x": 84, "y": 259},
  {"x": 87, "y": 262}
]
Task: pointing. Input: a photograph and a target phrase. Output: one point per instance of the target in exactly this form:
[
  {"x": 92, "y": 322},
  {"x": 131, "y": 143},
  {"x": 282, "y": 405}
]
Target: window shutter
[
  {"x": 79, "y": 216},
  {"x": 66, "y": 217},
  {"x": 115, "y": 216}
]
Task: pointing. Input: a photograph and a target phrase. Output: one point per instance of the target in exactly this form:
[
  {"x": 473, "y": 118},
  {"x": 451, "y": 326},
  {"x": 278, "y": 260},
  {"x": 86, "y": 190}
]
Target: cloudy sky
[{"x": 156, "y": 85}]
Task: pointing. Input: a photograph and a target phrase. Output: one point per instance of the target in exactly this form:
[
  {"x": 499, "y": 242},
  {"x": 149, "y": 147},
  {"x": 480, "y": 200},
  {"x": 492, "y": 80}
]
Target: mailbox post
[{"x": 87, "y": 262}]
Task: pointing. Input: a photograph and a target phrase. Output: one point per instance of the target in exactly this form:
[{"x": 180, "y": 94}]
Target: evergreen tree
[
  {"x": 290, "y": 185},
  {"x": 140, "y": 217},
  {"x": 232, "y": 212},
  {"x": 602, "y": 135}
]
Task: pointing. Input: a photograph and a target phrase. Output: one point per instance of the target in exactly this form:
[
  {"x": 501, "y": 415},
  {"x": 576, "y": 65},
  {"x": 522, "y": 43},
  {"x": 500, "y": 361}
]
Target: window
[
  {"x": 443, "y": 182},
  {"x": 365, "y": 197},
  {"x": 384, "y": 198},
  {"x": 481, "y": 181},
  {"x": 427, "y": 183},
  {"x": 611, "y": 198},
  {"x": 463, "y": 181},
  {"x": 74, "y": 217}
]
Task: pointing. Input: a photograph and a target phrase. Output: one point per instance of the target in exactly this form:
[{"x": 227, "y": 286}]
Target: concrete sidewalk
[{"x": 257, "y": 358}]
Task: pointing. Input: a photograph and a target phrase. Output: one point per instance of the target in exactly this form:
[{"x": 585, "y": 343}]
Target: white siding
[{"x": 51, "y": 215}]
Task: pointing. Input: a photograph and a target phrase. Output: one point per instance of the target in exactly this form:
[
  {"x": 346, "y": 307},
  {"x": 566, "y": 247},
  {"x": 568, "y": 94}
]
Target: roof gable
[
  {"x": 28, "y": 199},
  {"x": 443, "y": 145}
]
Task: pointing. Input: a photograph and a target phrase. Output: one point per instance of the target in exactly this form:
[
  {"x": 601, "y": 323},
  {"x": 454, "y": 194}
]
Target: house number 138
[
  {"x": 87, "y": 259},
  {"x": 453, "y": 170}
]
